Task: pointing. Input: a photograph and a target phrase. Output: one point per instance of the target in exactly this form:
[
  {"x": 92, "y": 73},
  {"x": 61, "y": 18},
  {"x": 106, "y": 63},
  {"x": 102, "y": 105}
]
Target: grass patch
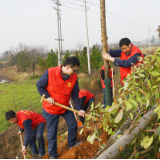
[
  {"x": 17, "y": 96},
  {"x": 35, "y": 76}
]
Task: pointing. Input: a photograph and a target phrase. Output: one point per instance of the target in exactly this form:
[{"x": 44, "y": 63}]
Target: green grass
[
  {"x": 17, "y": 96},
  {"x": 24, "y": 95}
]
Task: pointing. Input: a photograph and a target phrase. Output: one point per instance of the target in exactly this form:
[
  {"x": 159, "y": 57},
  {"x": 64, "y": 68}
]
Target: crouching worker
[
  {"x": 33, "y": 124},
  {"x": 86, "y": 99},
  {"x": 59, "y": 84}
]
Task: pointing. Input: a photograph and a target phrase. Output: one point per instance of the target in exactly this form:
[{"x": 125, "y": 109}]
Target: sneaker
[
  {"x": 56, "y": 157},
  {"x": 78, "y": 143}
]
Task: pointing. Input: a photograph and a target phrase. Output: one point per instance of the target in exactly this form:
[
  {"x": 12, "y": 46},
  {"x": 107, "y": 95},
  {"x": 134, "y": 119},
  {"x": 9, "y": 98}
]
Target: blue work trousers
[
  {"x": 52, "y": 125},
  {"x": 37, "y": 133}
]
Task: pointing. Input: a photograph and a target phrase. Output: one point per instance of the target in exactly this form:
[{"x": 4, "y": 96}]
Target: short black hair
[
  {"x": 10, "y": 114},
  {"x": 73, "y": 61},
  {"x": 124, "y": 41}
]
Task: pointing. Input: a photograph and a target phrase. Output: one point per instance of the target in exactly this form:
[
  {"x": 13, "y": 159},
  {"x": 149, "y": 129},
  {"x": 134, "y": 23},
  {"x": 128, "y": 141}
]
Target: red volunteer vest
[
  {"x": 87, "y": 94},
  {"x": 125, "y": 71},
  {"x": 24, "y": 115},
  {"x": 110, "y": 73},
  {"x": 59, "y": 90}
]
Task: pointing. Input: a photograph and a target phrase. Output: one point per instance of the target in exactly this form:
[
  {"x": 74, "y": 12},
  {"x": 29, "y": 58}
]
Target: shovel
[
  {"x": 79, "y": 123},
  {"x": 66, "y": 107},
  {"x": 22, "y": 145}
]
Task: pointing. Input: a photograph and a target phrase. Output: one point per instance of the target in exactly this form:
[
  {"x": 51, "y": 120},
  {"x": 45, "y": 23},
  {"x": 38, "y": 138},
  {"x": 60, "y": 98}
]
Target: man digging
[
  {"x": 33, "y": 124},
  {"x": 59, "y": 84}
]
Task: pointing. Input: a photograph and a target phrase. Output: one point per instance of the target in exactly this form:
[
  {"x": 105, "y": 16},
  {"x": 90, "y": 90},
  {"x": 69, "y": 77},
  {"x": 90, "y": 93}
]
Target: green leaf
[
  {"x": 98, "y": 105},
  {"x": 128, "y": 105},
  {"x": 88, "y": 138},
  {"x": 110, "y": 131},
  {"x": 134, "y": 141},
  {"x": 137, "y": 156},
  {"x": 157, "y": 131},
  {"x": 125, "y": 85},
  {"x": 155, "y": 73},
  {"x": 92, "y": 138},
  {"x": 157, "y": 109},
  {"x": 118, "y": 137},
  {"x": 116, "y": 106},
  {"x": 134, "y": 103},
  {"x": 81, "y": 131},
  {"x": 131, "y": 115},
  {"x": 146, "y": 142},
  {"x": 141, "y": 75},
  {"x": 92, "y": 106},
  {"x": 119, "y": 116},
  {"x": 158, "y": 79},
  {"x": 147, "y": 103}
]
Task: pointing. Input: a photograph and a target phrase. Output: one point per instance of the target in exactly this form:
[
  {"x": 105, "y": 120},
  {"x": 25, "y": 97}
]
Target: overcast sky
[{"x": 34, "y": 22}]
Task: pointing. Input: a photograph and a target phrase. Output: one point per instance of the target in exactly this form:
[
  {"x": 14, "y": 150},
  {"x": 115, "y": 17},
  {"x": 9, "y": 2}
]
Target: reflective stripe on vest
[
  {"x": 87, "y": 94},
  {"x": 59, "y": 90},
  {"x": 124, "y": 71},
  {"x": 24, "y": 115}
]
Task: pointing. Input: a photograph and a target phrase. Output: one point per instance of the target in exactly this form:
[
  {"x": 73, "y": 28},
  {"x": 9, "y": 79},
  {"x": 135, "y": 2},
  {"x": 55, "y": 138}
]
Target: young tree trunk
[{"x": 107, "y": 81}]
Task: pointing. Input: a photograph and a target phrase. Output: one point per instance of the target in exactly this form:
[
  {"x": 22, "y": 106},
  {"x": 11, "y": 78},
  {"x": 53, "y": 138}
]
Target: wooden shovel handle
[
  {"x": 60, "y": 105},
  {"x": 20, "y": 136}
]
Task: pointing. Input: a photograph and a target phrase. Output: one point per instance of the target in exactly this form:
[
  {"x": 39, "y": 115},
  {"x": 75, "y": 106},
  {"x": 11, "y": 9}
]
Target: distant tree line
[{"x": 52, "y": 59}]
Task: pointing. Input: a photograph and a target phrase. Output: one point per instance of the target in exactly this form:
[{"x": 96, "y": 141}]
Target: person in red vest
[
  {"x": 128, "y": 57},
  {"x": 102, "y": 75},
  {"x": 33, "y": 125},
  {"x": 59, "y": 84},
  {"x": 86, "y": 99}
]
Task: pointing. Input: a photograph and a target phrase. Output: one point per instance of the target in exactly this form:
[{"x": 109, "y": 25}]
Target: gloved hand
[
  {"x": 81, "y": 113},
  {"x": 19, "y": 132},
  {"x": 24, "y": 150},
  {"x": 50, "y": 100}
]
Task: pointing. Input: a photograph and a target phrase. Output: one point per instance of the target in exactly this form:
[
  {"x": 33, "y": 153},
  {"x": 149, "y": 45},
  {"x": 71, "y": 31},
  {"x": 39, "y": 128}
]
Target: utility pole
[
  {"x": 149, "y": 40},
  {"x": 59, "y": 56},
  {"x": 107, "y": 81},
  {"x": 88, "y": 54}
]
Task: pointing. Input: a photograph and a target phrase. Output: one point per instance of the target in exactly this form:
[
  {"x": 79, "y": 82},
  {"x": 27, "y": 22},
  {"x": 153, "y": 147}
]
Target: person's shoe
[
  {"x": 35, "y": 156},
  {"x": 40, "y": 156},
  {"x": 78, "y": 143},
  {"x": 56, "y": 157}
]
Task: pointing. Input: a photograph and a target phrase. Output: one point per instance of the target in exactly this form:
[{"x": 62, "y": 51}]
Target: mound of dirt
[{"x": 85, "y": 150}]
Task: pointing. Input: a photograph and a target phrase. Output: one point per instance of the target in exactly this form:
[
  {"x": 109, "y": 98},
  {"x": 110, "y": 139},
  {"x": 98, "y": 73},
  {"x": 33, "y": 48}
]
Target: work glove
[
  {"x": 81, "y": 113},
  {"x": 50, "y": 100},
  {"x": 24, "y": 150}
]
